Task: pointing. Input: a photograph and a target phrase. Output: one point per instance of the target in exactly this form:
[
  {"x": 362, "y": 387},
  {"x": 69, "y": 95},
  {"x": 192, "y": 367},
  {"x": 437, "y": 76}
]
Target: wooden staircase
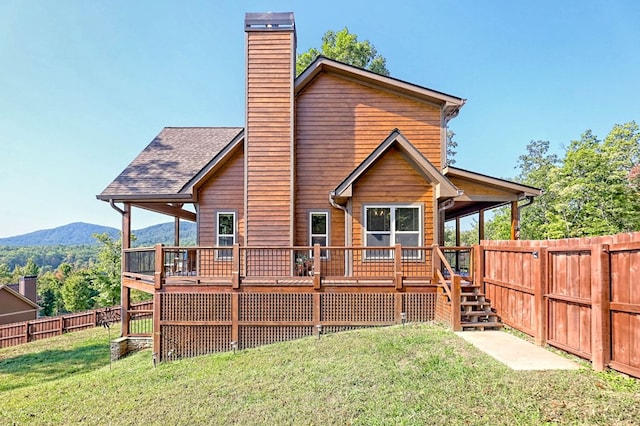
[{"x": 476, "y": 312}]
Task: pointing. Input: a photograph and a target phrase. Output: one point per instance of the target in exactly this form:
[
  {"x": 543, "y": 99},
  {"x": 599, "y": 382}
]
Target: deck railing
[{"x": 201, "y": 264}]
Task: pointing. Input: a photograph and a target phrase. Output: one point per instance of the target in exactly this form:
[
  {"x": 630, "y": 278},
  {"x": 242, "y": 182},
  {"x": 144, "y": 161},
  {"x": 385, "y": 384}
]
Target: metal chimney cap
[{"x": 269, "y": 21}]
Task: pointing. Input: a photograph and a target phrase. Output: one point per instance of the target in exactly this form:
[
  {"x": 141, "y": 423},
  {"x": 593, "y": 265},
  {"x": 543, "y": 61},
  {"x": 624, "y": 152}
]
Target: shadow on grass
[{"x": 52, "y": 364}]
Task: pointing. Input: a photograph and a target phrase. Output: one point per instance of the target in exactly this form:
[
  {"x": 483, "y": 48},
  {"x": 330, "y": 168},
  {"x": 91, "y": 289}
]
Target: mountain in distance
[{"x": 80, "y": 233}]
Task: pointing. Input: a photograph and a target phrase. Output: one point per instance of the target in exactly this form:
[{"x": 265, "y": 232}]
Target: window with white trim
[
  {"x": 319, "y": 231},
  {"x": 386, "y": 226},
  {"x": 226, "y": 233}
]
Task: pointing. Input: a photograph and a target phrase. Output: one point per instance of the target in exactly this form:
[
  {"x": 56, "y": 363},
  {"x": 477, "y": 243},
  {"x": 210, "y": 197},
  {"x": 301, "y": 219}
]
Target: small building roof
[
  {"x": 17, "y": 295},
  {"x": 169, "y": 163}
]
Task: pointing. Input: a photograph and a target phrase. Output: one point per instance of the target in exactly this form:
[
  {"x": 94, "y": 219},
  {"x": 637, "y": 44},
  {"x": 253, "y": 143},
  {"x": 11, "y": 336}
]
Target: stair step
[
  {"x": 482, "y": 325},
  {"x": 475, "y": 303},
  {"x": 478, "y": 313}
]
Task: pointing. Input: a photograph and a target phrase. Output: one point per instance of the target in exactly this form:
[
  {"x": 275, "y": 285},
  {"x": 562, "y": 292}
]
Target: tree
[
  {"x": 49, "y": 286},
  {"x": 77, "y": 292},
  {"x": 344, "y": 46},
  {"x": 106, "y": 273},
  {"x": 592, "y": 191},
  {"x": 5, "y": 274},
  {"x": 451, "y": 146}
]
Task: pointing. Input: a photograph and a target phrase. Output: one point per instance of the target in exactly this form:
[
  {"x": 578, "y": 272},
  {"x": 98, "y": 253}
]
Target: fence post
[
  {"x": 600, "y": 312},
  {"x": 235, "y": 277},
  {"x": 397, "y": 266},
  {"x": 61, "y": 325},
  {"x": 455, "y": 303},
  {"x": 478, "y": 266},
  {"x": 539, "y": 290},
  {"x": 317, "y": 263}
]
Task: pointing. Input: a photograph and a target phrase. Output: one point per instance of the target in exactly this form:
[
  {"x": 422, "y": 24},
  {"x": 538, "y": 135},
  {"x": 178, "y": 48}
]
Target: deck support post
[
  {"x": 397, "y": 298},
  {"x": 156, "y": 326},
  {"x": 515, "y": 221},
  {"x": 317, "y": 311},
  {"x": 125, "y": 292},
  {"x": 235, "y": 313},
  {"x": 125, "y": 297},
  {"x": 600, "y": 300}
]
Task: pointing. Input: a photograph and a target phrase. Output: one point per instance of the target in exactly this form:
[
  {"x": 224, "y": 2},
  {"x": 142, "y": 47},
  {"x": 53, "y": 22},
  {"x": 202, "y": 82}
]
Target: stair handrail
[{"x": 454, "y": 292}]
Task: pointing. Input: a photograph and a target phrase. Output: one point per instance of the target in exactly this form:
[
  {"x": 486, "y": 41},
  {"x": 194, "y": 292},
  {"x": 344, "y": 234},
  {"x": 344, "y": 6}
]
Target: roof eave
[
  {"x": 160, "y": 198},
  {"x": 452, "y": 104},
  {"x": 524, "y": 190}
]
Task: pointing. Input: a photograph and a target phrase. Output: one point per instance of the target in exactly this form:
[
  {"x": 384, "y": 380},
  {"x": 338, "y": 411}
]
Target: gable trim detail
[{"x": 443, "y": 187}]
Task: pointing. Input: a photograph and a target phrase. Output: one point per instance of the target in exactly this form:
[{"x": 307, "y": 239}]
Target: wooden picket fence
[
  {"x": 581, "y": 295},
  {"x": 44, "y": 328}
]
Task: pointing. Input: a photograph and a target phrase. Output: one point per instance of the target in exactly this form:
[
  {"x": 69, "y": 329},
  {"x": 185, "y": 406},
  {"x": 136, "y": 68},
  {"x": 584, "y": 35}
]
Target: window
[
  {"x": 386, "y": 226},
  {"x": 319, "y": 231},
  {"x": 226, "y": 226}
]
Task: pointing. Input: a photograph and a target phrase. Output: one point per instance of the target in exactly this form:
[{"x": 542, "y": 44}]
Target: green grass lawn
[{"x": 417, "y": 374}]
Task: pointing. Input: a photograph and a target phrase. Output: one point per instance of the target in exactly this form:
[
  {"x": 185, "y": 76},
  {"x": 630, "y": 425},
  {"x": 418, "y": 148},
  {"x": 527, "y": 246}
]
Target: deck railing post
[
  {"x": 435, "y": 262},
  {"x": 235, "y": 268},
  {"x": 455, "y": 302},
  {"x": 600, "y": 301},
  {"x": 397, "y": 266},
  {"x": 317, "y": 263},
  {"x": 159, "y": 272}
]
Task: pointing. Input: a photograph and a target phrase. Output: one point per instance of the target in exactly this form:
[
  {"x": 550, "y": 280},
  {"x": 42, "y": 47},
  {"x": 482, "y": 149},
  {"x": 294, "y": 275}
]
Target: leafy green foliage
[
  {"x": 344, "y": 46},
  {"x": 451, "y": 148},
  {"x": 593, "y": 190}
]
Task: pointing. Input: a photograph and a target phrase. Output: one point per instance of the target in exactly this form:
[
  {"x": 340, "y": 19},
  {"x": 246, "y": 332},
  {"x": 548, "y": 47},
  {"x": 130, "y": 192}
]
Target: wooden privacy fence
[
  {"x": 44, "y": 328},
  {"x": 581, "y": 295}
]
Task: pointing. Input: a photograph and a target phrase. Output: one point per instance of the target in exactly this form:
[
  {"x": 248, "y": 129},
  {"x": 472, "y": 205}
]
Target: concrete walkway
[{"x": 516, "y": 353}]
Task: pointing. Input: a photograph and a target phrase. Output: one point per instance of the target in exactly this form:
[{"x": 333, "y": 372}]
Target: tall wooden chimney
[{"x": 269, "y": 168}]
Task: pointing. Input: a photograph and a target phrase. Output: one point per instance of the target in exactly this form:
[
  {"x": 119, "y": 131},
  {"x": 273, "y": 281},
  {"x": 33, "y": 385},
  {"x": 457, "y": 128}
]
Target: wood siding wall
[
  {"x": 338, "y": 124},
  {"x": 223, "y": 192},
  {"x": 270, "y": 62},
  {"x": 393, "y": 180}
]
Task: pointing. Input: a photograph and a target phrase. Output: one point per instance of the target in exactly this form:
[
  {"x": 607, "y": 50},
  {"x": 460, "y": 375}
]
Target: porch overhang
[
  {"x": 444, "y": 189},
  {"x": 482, "y": 192}
]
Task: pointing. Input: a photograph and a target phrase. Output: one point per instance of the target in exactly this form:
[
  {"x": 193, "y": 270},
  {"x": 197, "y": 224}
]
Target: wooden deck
[{"x": 209, "y": 299}]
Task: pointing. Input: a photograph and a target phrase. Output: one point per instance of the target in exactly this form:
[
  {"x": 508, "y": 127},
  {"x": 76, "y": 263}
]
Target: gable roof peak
[{"x": 449, "y": 103}]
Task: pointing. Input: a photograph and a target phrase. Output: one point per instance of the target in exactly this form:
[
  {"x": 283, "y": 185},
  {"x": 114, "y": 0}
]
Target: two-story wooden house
[{"x": 320, "y": 214}]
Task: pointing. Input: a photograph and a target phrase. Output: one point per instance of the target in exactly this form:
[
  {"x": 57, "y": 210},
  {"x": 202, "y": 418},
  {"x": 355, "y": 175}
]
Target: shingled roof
[{"x": 169, "y": 162}]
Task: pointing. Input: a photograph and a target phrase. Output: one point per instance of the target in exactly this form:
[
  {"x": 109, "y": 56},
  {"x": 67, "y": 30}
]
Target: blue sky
[{"x": 86, "y": 85}]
